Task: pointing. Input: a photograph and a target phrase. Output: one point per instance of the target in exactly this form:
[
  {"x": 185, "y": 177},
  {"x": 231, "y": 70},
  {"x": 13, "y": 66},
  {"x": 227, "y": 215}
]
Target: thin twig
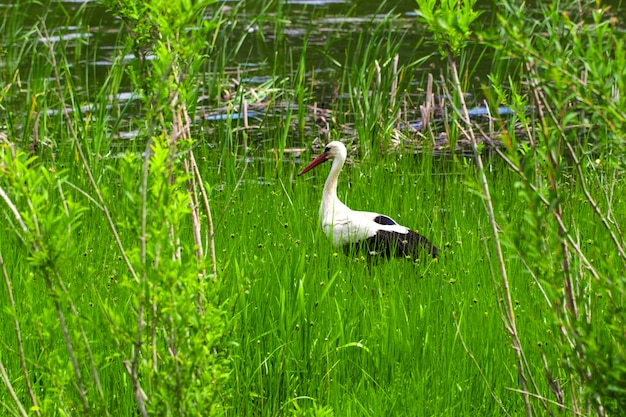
[
  {"x": 609, "y": 198},
  {"x": 133, "y": 368},
  {"x": 87, "y": 196},
  {"x": 143, "y": 239},
  {"x": 7, "y": 384},
  {"x": 81, "y": 154},
  {"x": 207, "y": 208},
  {"x": 576, "y": 412},
  {"x": 594, "y": 205},
  {"x": 480, "y": 371},
  {"x": 554, "y": 385},
  {"x": 557, "y": 210},
  {"x": 510, "y": 314},
  {"x": 192, "y": 190},
  {"x": 14, "y": 210},
  {"x": 68, "y": 343},
  {"x": 18, "y": 334},
  {"x": 544, "y": 201}
]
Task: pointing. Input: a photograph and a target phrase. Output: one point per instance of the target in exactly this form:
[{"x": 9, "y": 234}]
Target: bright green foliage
[
  {"x": 180, "y": 361},
  {"x": 44, "y": 216},
  {"x": 176, "y": 362},
  {"x": 109, "y": 304},
  {"x": 450, "y": 22},
  {"x": 560, "y": 69},
  {"x": 170, "y": 42},
  {"x": 451, "y": 25},
  {"x": 161, "y": 319},
  {"x": 575, "y": 70}
]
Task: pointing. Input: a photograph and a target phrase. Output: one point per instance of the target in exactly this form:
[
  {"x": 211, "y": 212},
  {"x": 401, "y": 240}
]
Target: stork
[{"x": 377, "y": 233}]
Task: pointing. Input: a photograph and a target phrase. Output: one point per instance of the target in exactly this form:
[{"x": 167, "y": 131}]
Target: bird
[{"x": 378, "y": 234}]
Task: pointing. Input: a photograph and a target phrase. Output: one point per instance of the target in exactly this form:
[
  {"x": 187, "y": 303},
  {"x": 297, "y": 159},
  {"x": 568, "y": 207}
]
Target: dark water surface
[{"x": 272, "y": 41}]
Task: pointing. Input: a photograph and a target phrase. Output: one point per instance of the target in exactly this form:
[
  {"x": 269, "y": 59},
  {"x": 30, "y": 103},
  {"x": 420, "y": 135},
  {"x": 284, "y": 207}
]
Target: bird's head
[{"x": 334, "y": 150}]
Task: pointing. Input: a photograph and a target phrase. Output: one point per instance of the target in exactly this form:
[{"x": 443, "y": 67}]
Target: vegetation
[{"x": 183, "y": 272}]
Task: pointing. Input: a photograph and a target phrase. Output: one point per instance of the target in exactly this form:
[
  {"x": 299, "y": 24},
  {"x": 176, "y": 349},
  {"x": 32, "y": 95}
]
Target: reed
[
  {"x": 547, "y": 156},
  {"x": 184, "y": 271}
]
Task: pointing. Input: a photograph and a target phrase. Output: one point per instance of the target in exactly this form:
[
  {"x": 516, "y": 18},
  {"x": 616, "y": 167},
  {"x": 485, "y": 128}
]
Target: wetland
[{"x": 160, "y": 255}]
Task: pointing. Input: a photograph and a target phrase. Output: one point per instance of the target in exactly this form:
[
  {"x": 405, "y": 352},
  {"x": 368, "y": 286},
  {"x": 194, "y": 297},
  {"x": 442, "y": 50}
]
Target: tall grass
[
  {"x": 316, "y": 327},
  {"x": 552, "y": 156},
  {"x": 112, "y": 306}
]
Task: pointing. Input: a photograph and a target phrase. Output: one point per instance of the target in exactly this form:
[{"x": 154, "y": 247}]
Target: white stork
[{"x": 378, "y": 233}]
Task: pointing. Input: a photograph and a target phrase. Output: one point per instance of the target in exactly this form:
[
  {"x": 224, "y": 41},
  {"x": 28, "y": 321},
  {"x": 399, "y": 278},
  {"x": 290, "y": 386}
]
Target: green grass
[
  {"x": 296, "y": 326},
  {"x": 321, "y": 327},
  {"x": 309, "y": 326}
]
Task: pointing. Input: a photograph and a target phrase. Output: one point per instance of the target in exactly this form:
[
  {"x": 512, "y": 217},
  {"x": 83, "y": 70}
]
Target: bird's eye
[{"x": 327, "y": 149}]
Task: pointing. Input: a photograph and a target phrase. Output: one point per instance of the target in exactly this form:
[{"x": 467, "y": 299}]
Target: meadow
[{"x": 160, "y": 255}]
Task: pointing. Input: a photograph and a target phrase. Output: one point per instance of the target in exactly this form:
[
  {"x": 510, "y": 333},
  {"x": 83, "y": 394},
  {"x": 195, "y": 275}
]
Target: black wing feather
[
  {"x": 384, "y": 220},
  {"x": 394, "y": 244}
]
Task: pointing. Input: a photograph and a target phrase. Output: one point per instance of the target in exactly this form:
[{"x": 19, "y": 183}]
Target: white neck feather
[{"x": 330, "y": 187}]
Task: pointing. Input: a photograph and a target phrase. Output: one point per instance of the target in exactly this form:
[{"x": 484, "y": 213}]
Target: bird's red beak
[{"x": 323, "y": 157}]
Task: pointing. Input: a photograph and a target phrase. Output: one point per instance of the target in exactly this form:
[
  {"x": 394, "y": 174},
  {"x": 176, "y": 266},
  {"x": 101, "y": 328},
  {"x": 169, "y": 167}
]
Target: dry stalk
[
  {"x": 609, "y": 200},
  {"x": 15, "y": 212},
  {"x": 592, "y": 202},
  {"x": 207, "y": 207},
  {"x": 394, "y": 89},
  {"x": 545, "y": 202},
  {"x": 557, "y": 211},
  {"x": 18, "y": 334},
  {"x": 81, "y": 154},
  {"x": 571, "y": 410},
  {"x": 195, "y": 214},
  {"x": 196, "y": 185},
  {"x": 510, "y": 314},
  {"x": 554, "y": 384},
  {"x": 246, "y": 125},
  {"x": 182, "y": 131},
  {"x": 7, "y": 384},
  {"x": 427, "y": 109},
  {"x": 504, "y": 317},
  {"x": 133, "y": 367},
  {"x": 68, "y": 343}
]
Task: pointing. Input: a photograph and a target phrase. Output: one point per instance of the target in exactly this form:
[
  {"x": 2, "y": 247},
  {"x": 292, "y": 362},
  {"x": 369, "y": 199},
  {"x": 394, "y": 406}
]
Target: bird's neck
[{"x": 330, "y": 187}]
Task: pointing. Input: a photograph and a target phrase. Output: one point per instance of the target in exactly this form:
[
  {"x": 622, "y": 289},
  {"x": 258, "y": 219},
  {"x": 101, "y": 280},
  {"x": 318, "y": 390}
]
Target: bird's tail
[
  {"x": 393, "y": 244},
  {"x": 417, "y": 243}
]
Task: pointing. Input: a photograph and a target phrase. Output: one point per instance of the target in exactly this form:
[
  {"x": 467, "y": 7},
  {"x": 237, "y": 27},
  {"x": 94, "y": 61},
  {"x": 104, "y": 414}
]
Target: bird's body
[{"x": 378, "y": 233}]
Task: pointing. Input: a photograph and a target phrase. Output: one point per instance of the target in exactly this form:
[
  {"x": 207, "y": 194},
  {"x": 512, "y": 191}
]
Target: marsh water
[
  {"x": 300, "y": 311},
  {"x": 266, "y": 41}
]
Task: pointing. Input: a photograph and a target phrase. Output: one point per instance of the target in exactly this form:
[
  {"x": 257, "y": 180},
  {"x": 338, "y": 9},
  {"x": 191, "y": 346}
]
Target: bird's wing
[
  {"x": 373, "y": 222},
  {"x": 384, "y": 220},
  {"x": 392, "y": 243},
  {"x": 377, "y": 218}
]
